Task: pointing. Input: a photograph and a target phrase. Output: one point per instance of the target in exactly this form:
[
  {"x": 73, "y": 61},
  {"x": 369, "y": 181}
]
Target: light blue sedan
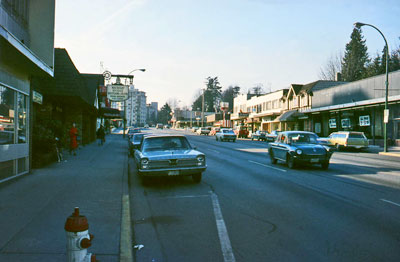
[{"x": 169, "y": 155}]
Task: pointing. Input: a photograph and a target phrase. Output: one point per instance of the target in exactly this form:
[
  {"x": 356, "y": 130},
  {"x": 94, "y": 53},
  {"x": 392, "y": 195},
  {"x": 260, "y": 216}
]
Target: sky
[{"x": 243, "y": 42}]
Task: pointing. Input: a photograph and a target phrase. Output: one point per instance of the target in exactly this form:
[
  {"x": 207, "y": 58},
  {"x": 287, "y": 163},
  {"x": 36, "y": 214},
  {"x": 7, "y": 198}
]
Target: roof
[
  {"x": 318, "y": 85},
  {"x": 93, "y": 81},
  {"x": 288, "y": 116}
]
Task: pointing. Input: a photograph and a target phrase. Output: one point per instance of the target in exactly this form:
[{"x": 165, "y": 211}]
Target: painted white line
[
  {"x": 222, "y": 232},
  {"x": 215, "y": 151},
  {"x": 189, "y": 196},
  {"x": 283, "y": 170},
  {"x": 393, "y": 203},
  {"x": 125, "y": 248}
]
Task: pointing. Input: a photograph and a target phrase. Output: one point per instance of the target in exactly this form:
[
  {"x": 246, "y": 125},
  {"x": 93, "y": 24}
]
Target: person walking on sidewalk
[
  {"x": 101, "y": 135},
  {"x": 73, "y": 134}
]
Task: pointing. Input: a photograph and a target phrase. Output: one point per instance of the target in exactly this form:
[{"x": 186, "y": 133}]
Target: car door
[{"x": 277, "y": 148}]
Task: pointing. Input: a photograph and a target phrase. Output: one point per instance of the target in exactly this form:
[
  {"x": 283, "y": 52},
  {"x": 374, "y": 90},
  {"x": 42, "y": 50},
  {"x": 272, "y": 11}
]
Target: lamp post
[{"x": 386, "y": 112}]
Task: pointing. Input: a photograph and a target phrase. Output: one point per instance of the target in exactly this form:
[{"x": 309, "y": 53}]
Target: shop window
[
  {"x": 7, "y": 113},
  {"x": 22, "y": 118}
]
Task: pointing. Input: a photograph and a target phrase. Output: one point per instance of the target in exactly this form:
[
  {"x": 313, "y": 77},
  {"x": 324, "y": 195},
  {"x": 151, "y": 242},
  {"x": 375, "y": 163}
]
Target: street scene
[{"x": 199, "y": 131}]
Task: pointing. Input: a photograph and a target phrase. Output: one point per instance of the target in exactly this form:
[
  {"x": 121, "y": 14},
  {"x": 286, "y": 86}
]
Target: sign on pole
[
  {"x": 386, "y": 116},
  {"x": 117, "y": 93}
]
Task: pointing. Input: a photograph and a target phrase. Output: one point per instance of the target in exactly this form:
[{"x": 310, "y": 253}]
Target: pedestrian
[
  {"x": 73, "y": 134},
  {"x": 101, "y": 135}
]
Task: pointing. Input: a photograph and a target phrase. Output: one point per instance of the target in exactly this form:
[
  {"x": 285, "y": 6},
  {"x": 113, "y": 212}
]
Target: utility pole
[{"x": 202, "y": 110}]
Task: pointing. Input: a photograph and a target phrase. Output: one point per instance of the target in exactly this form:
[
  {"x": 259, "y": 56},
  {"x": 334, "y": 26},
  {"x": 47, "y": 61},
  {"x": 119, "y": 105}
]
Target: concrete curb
[
  {"x": 390, "y": 154},
  {"x": 125, "y": 252}
]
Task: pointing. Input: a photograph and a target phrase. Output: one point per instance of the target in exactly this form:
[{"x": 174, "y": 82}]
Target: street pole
[
  {"x": 386, "y": 112},
  {"x": 202, "y": 110},
  {"x": 124, "y": 120}
]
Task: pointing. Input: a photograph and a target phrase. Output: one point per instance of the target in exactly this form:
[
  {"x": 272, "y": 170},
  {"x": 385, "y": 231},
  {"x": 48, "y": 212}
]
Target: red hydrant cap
[{"x": 76, "y": 222}]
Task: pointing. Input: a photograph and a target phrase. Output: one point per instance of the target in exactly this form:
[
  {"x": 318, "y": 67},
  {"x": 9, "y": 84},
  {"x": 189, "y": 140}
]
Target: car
[
  {"x": 135, "y": 142},
  {"x": 167, "y": 156},
  {"x": 159, "y": 126},
  {"x": 133, "y": 131},
  {"x": 299, "y": 147},
  {"x": 203, "y": 131},
  {"x": 146, "y": 126},
  {"x": 242, "y": 132},
  {"x": 214, "y": 130},
  {"x": 272, "y": 136},
  {"x": 259, "y": 135},
  {"x": 225, "y": 134},
  {"x": 348, "y": 139},
  {"x": 194, "y": 129}
]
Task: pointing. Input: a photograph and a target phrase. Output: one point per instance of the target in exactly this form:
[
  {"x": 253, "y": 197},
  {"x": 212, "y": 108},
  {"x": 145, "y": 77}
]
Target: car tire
[
  {"x": 234, "y": 140},
  {"x": 197, "y": 177},
  {"x": 216, "y": 138},
  {"x": 290, "y": 161},
  {"x": 325, "y": 165},
  {"x": 273, "y": 159},
  {"x": 337, "y": 146},
  {"x": 252, "y": 139}
]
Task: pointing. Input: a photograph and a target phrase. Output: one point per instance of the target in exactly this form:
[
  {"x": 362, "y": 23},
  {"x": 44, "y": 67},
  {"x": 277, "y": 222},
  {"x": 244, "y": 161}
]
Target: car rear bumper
[{"x": 184, "y": 171}]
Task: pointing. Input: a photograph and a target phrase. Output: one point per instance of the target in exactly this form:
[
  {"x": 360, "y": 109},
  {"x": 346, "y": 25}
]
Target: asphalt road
[{"x": 247, "y": 209}]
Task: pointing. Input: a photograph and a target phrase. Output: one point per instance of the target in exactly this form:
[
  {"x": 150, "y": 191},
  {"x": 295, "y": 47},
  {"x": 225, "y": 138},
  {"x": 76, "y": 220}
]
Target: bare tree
[
  {"x": 258, "y": 89},
  {"x": 332, "y": 66}
]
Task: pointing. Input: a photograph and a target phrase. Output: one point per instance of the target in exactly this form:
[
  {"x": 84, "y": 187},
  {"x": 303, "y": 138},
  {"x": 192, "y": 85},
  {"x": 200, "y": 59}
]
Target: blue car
[{"x": 299, "y": 147}]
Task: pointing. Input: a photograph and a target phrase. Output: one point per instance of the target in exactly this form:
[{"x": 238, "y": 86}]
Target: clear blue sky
[{"x": 243, "y": 42}]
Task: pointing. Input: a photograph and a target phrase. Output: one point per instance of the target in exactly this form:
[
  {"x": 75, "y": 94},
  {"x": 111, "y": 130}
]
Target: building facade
[
  {"x": 152, "y": 113},
  {"x": 26, "y": 51},
  {"x": 136, "y": 108}
]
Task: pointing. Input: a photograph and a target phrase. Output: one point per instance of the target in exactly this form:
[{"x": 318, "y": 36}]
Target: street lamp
[{"x": 386, "y": 112}]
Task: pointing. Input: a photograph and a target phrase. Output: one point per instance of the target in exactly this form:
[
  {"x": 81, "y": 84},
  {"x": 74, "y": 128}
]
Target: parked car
[
  {"x": 348, "y": 139},
  {"x": 203, "y": 131},
  {"x": 159, "y": 126},
  {"x": 214, "y": 130},
  {"x": 225, "y": 134},
  {"x": 271, "y": 137},
  {"x": 296, "y": 147},
  {"x": 169, "y": 155},
  {"x": 194, "y": 129},
  {"x": 135, "y": 142},
  {"x": 242, "y": 132},
  {"x": 132, "y": 131},
  {"x": 259, "y": 135},
  {"x": 146, "y": 126}
]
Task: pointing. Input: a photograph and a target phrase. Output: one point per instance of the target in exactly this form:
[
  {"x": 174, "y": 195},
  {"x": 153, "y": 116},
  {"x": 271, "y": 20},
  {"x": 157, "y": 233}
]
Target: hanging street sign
[{"x": 117, "y": 93}]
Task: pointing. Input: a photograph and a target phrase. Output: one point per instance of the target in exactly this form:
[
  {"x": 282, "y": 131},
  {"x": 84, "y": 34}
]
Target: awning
[
  {"x": 109, "y": 112},
  {"x": 289, "y": 116}
]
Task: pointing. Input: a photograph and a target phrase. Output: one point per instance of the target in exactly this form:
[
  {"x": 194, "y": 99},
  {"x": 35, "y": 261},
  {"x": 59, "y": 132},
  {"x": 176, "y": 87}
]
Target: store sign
[
  {"x": 117, "y": 93},
  {"x": 364, "y": 121},
  {"x": 243, "y": 114},
  {"x": 346, "y": 123},
  {"x": 332, "y": 123},
  {"x": 37, "y": 97},
  {"x": 386, "y": 116}
]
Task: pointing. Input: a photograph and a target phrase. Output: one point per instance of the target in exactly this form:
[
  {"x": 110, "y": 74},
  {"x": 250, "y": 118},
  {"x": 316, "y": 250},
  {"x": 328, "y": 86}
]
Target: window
[
  {"x": 22, "y": 118},
  {"x": 346, "y": 123},
  {"x": 7, "y": 115},
  {"x": 332, "y": 123},
  {"x": 364, "y": 121}
]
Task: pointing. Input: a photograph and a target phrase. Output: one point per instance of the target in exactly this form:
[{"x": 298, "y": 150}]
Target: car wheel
[
  {"x": 273, "y": 159},
  {"x": 252, "y": 139},
  {"x": 216, "y": 138},
  {"x": 337, "y": 147},
  {"x": 196, "y": 177},
  {"x": 325, "y": 165},
  {"x": 234, "y": 140},
  {"x": 290, "y": 161}
]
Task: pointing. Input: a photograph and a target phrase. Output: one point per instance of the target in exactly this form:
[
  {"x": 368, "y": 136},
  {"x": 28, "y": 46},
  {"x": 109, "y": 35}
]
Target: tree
[
  {"x": 332, "y": 67},
  {"x": 355, "y": 58},
  {"x": 258, "y": 90},
  {"x": 212, "y": 96},
  {"x": 229, "y": 94},
  {"x": 164, "y": 116}
]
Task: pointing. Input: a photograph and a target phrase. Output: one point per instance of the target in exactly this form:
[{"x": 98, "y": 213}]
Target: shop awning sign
[
  {"x": 117, "y": 93},
  {"x": 37, "y": 97}
]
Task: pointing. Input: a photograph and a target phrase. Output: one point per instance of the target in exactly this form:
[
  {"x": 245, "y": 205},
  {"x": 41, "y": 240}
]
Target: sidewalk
[
  {"x": 35, "y": 207},
  {"x": 392, "y": 151}
]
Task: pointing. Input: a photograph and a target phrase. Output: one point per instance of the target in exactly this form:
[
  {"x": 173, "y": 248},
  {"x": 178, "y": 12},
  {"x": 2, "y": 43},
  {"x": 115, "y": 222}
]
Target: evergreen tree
[
  {"x": 229, "y": 94},
  {"x": 212, "y": 96},
  {"x": 164, "y": 116},
  {"x": 356, "y": 57}
]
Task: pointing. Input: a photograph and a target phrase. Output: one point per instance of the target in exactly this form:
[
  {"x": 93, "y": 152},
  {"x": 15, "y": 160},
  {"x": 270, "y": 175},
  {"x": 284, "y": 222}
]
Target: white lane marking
[
  {"x": 222, "y": 232},
  {"x": 187, "y": 196},
  {"x": 283, "y": 170},
  {"x": 393, "y": 203},
  {"x": 253, "y": 150}
]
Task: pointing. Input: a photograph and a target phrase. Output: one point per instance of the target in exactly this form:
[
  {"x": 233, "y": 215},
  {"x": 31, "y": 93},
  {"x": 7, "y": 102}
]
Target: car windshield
[
  {"x": 302, "y": 138},
  {"x": 227, "y": 131},
  {"x": 165, "y": 143},
  {"x": 138, "y": 137}
]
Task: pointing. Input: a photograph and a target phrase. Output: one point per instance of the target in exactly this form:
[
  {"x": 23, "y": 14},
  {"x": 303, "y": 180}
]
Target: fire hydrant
[{"x": 78, "y": 238}]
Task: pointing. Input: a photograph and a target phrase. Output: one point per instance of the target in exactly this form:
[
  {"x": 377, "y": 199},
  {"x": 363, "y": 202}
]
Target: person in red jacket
[{"x": 73, "y": 134}]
